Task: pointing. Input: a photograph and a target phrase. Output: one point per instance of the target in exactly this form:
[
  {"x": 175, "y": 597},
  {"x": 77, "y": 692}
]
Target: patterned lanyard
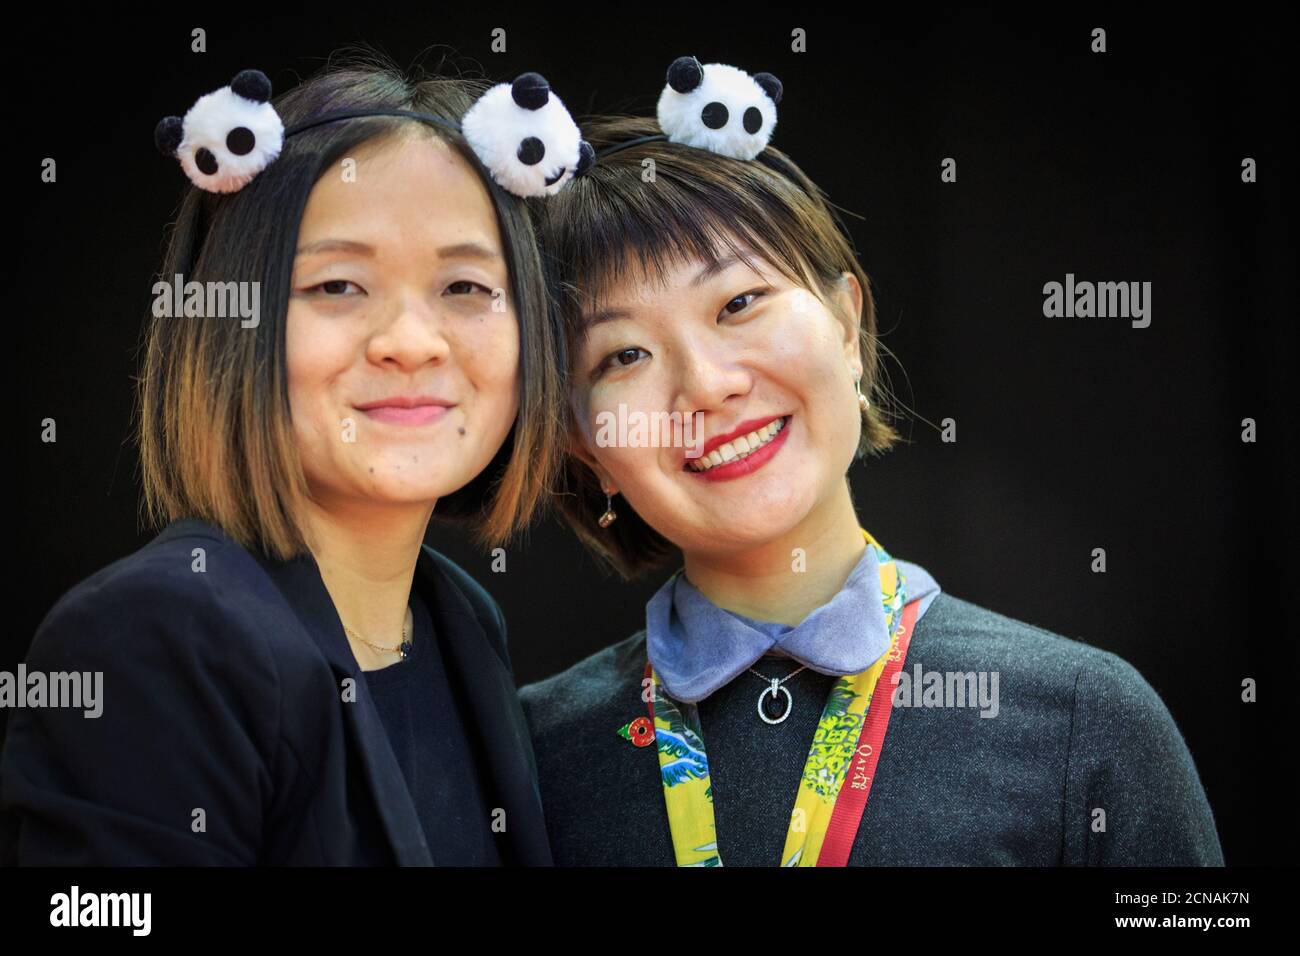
[{"x": 846, "y": 746}]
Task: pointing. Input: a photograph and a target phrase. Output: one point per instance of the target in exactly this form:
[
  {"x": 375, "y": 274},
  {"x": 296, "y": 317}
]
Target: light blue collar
[{"x": 697, "y": 647}]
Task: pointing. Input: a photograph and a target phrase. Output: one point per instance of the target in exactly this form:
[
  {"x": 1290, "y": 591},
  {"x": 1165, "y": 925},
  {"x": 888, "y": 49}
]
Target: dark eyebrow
[
  {"x": 335, "y": 245},
  {"x": 710, "y": 270},
  {"x": 468, "y": 250},
  {"x": 461, "y": 250}
]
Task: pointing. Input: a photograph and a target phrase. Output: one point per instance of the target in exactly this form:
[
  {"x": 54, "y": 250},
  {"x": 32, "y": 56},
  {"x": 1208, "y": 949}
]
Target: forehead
[{"x": 407, "y": 182}]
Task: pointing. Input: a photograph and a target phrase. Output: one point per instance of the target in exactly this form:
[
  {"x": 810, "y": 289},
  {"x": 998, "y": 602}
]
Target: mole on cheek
[{"x": 461, "y": 429}]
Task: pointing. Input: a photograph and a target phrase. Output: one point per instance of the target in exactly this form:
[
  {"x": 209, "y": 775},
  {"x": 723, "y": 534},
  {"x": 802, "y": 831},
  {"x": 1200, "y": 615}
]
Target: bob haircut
[
  {"x": 697, "y": 204},
  {"x": 213, "y": 415}
]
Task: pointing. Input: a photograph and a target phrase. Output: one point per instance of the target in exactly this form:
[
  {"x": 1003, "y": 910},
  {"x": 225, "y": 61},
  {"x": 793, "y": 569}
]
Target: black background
[{"x": 1072, "y": 433}]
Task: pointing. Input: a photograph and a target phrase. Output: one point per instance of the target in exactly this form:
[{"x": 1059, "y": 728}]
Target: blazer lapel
[
  {"x": 488, "y": 688},
  {"x": 300, "y": 582}
]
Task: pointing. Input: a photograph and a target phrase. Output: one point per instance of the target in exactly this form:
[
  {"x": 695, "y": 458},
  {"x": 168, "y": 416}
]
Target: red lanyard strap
[{"x": 852, "y": 799}]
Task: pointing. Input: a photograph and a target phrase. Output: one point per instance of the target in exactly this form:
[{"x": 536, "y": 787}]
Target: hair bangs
[{"x": 642, "y": 235}]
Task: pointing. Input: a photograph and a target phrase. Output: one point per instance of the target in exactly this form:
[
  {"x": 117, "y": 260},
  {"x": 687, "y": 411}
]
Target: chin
[
  {"x": 727, "y": 532},
  {"x": 403, "y": 495},
  {"x": 405, "y": 485}
]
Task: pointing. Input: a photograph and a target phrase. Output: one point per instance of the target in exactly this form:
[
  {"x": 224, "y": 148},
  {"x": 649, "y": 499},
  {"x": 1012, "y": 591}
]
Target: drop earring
[
  {"x": 863, "y": 402},
  {"x": 610, "y": 514}
]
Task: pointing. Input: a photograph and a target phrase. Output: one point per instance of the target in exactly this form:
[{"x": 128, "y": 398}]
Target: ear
[
  {"x": 252, "y": 85},
  {"x": 586, "y": 159},
  {"x": 770, "y": 85},
  {"x": 848, "y": 299},
  {"x": 685, "y": 74},
  {"x": 530, "y": 90},
  {"x": 167, "y": 135}
]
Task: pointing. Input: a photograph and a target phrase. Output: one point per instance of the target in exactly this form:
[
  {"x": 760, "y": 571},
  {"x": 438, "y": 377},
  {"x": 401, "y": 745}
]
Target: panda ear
[
  {"x": 252, "y": 85},
  {"x": 167, "y": 135},
  {"x": 685, "y": 74},
  {"x": 770, "y": 84},
  {"x": 530, "y": 90},
  {"x": 586, "y": 159}
]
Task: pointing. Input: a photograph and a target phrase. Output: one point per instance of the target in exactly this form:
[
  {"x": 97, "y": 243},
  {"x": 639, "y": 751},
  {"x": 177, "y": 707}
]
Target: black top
[
  {"x": 752, "y": 820},
  {"x": 1077, "y": 731},
  {"x": 237, "y": 727},
  {"x": 431, "y": 741}
]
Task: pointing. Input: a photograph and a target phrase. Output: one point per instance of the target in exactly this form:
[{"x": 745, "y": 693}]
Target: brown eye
[
  {"x": 740, "y": 303},
  {"x": 622, "y": 359},
  {"x": 334, "y": 287}
]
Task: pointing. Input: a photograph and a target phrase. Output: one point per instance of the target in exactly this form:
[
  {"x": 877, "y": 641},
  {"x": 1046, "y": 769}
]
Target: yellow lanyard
[{"x": 837, "y": 747}]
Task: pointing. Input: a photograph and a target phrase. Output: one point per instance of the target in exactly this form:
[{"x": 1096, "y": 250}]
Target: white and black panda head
[
  {"x": 526, "y": 138},
  {"x": 228, "y": 136},
  {"x": 719, "y": 108}
]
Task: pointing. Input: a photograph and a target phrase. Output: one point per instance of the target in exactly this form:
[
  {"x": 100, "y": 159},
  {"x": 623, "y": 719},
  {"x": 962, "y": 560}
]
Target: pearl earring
[
  {"x": 863, "y": 402},
  {"x": 610, "y": 514}
]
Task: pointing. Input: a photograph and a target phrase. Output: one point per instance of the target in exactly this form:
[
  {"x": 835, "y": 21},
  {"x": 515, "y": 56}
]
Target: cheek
[
  {"x": 590, "y": 411},
  {"x": 488, "y": 350},
  {"x": 805, "y": 354},
  {"x": 316, "y": 354}
]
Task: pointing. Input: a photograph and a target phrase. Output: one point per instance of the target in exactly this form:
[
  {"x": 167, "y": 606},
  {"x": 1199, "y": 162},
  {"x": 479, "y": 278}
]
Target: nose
[
  {"x": 707, "y": 376},
  {"x": 411, "y": 335}
]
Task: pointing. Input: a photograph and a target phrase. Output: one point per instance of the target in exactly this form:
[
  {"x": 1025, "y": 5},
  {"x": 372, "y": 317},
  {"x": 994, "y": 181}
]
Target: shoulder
[
  {"x": 967, "y": 636},
  {"x": 486, "y": 610},
  {"x": 609, "y": 680},
  {"x": 1115, "y": 715},
  {"x": 191, "y": 594},
  {"x": 484, "y": 605},
  {"x": 1120, "y": 715},
  {"x": 189, "y": 564},
  {"x": 161, "y": 662}
]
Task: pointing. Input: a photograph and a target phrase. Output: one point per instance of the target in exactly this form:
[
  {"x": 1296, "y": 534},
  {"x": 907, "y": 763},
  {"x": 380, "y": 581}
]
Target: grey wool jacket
[{"x": 1082, "y": 765}]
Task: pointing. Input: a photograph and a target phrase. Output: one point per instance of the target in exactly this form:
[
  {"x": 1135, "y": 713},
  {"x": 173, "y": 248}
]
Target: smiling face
[
  {"x": 402, "y": 343},
  {"x": 751, "y": 350}
]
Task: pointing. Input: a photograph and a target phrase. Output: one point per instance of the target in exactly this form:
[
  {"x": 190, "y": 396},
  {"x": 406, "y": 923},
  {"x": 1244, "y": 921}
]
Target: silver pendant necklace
[{"x": 775, "y": 688}]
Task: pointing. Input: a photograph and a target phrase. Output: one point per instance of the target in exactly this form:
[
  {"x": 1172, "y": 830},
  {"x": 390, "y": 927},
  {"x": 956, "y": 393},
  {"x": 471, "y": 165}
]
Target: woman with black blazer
[{"x": 289, "y": 675}]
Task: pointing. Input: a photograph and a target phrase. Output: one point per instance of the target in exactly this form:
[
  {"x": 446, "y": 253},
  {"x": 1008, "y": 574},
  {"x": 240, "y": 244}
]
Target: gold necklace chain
[{"x": 400, "y": 649}]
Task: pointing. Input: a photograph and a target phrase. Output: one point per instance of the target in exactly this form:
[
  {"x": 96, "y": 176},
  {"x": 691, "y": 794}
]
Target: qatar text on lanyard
[{"x": 846, "y": 747}]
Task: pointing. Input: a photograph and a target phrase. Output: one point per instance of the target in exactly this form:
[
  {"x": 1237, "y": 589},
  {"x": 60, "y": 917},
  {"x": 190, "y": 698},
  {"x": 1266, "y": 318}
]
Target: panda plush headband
[
  {"x": 520, "y": 131},
  {"x": 715, "y": 107}
]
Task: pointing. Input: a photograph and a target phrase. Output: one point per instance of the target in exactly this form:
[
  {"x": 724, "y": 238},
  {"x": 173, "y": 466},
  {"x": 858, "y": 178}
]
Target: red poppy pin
[{"x": 640, "y": 731}]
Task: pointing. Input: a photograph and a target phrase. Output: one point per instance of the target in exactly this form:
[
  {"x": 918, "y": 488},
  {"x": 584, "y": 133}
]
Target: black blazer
[{"x": 223, "y": 691}]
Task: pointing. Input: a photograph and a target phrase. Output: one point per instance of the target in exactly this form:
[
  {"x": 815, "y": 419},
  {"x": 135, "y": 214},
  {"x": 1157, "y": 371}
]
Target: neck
[
  {"x": 367, "y": 556},
  {"x": 763, "y": 582}
]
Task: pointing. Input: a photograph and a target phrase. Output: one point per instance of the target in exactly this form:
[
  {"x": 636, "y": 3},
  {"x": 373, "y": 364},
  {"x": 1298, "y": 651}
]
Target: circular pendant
[
  {"x": 789, "y": 703},
  {"x": 405, "y": 650}
]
